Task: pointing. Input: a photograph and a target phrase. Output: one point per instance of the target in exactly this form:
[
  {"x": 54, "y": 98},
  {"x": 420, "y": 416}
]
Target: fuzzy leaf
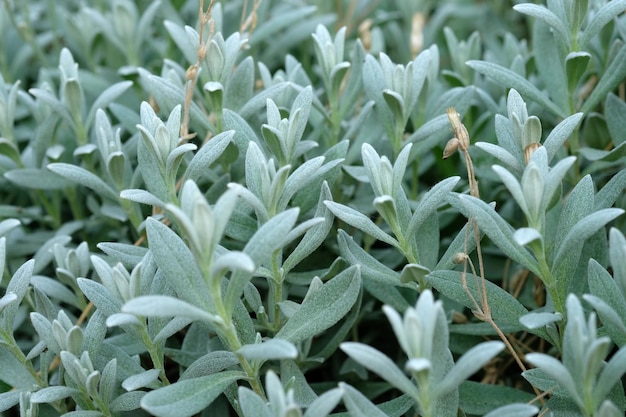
[
  {"x": 499, "y": 231},
  {"x": 323, "y": 308},
  {"x": 188, "y": 397},
  {"x": 52, "y": 394},
  {"x": 81, "y": 176},
  {"x": 379, "y": 363},
  {"x": 165, "y": 306},
  {"x": 506, "y": 310},
  {"x": 207, "y": 154},
  {"x": 357, "y": 404},
  {"x": 270, "y": 349},
  {"x": 360, "y": 221},
  {"x": 178, "y": 264},
  {"x": 468, "y": 364},
  {"x": 511, "y": 79}
]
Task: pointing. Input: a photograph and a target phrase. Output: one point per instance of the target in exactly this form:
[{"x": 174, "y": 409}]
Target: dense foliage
[{"x": 255, "y": 208}]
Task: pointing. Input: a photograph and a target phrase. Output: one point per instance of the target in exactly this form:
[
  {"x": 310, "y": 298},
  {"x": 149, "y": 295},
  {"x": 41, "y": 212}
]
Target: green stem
[
  {"x": 155, "y": 354},
  {"x": 227, "y": 331}
]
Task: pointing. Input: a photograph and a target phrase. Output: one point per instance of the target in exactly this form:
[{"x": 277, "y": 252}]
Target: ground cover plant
[{"x": 312, "y": 208}]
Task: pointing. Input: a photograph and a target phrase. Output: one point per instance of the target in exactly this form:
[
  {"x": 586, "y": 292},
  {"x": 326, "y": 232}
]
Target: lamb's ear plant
[{"x": 242, "y": 209}]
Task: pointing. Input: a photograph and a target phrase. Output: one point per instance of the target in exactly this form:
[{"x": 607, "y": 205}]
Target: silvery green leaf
[
  {"x": 273, "y": 196},
  {"x": 556, "y": 370},
  {"x": 55, "y": 104},
  {"x": 127, "y": 401},
  {"x": 547, "y": 16},
  {"x": 608, "y": 409},
  {"x": 413, "y": 273},
  {"x": 106, "y": 97},
  {"x": 169, "y": 95},
  {"x": 108, "y": 382},
  {"x": 324, "y": 404},
  {"x": 571, "y": 246},
  {"x": 9, "y": 399},
  {"x": 122, "y": 319},
  {"x": 360, "y": 221},
  {"x": 526, "y": 235},
  {"x": 534, "y": 320},
  {"x": 18, "y": 285},
  {"x": 99, "y": 295},
  {"x": 613, "y": 75},
  {"x": 165, "y": 306},
  {"x": 313, "y": 237},
  {"x": 128, "y": 255},
  {"x": 252, "y": 405},
  {"x": 299, "y": 115},
  {"x": 13, "y": 373},
  {"x": 5, "y": 227},
  {"x": 257, "y": 173},
  {"x": 617, "y": 253},
  {"x": 240, "y": 85},
  {"x": 611, "y": 191},
  {"x": 514, "y": 410},
  {"x": 270, "y": 236},
  {"x": 45, "y": 253},
  {"x": 207, "y": 155},
  {"x": 84, "y": 413},
  {"x": 210, "y": 363},
  {"x": 279, "y": 22},
  {"x": 613, "y": 155},
  {"x": 178, "y": 264},
  {"x": 7, "y": 299},
  {"x": 44, "y": 331},
  {"x": 510, "y": 79},
  {"x": 171, "y": 328},
  {"x": 420, "y": 70},
  {"x": 374, "y": 84},
  {"x": 175, "y": 158},
  {"x": 615, "y": 114},
  {"x": 142, "y": 196},
  {"x": 232, "y": 261},
  {"x": 269, "y": 349},
  {"x": 36, "y": 179},
  {"x": 81, "y": 176},
  {"x": 429, "y": 203},
  {"x": 188, "y": 397},
  {"x": 324, "y": 308},
  {"x": 300, "y": 178},
  {"x": 303, "y": 394},
  {"x": 257, "y": 103},
  {"x": 243, "y": 132},
  {"x": 506, "y": 309},
  {"x": 300, "y": 229},
  {"x": 371, "y": 268},
  {"x": 52, "y": 394},
  {"x": 575, "y": 66},
  {"x": 181, "y": 37},
  {"x": 610, "y": 376},
  {"x": 141, "y": 380},
  {"x": 396, "y": 105},
  {"x": 380, "y": 364},
  {"x": 601, "y": 18},
  {"x": 499, "y": 231},
  {"x": 501, "y": 154},
  {"x": 357, "y": 404},
  {"x": 561, "y": 133},
  {"x": 613, "y": 322},
  {"x": 254, "y": 202},
  {"x": 267, "y": 239}
]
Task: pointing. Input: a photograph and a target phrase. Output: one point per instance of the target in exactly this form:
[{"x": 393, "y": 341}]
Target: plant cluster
[{"x": 255, "y": 208}]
